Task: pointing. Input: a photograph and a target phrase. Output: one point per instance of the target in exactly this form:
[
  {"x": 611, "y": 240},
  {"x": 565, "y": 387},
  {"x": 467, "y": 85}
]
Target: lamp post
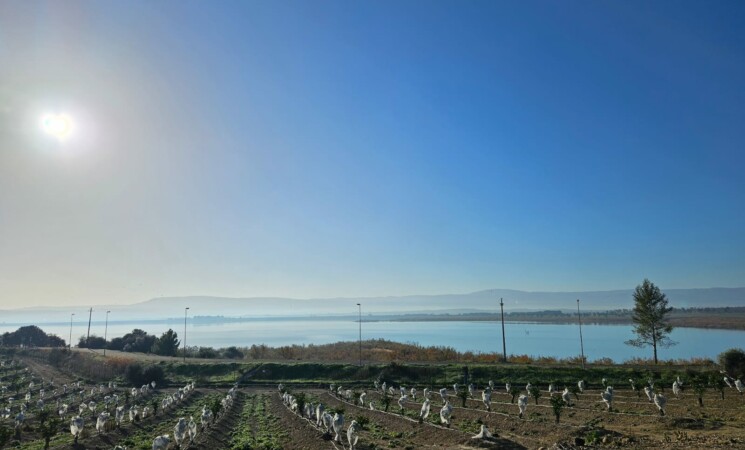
[
  {"x": 70, "y": 346},
  {"x": 88, "y": 336},
  {"x": 105, "y": 333},
  {"x": 185, "y": 310},
  {"x": 504, "y": 343},
  {"x": 581, "y": 343},
  {"x": 360, "y": 310}
]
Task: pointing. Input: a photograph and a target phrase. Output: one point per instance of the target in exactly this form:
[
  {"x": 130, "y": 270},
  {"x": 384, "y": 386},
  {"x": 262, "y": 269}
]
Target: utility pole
[
  {"x": 88, "y": 337},
  {"x": 504, "y": 344},
  {"x": 71, "y": 316},
  {"x": 581, "y": 343},
  {"x": 185, "y": 310},
  {"x": 105, "y": 333},
  {"x": 360, "y": 308}
]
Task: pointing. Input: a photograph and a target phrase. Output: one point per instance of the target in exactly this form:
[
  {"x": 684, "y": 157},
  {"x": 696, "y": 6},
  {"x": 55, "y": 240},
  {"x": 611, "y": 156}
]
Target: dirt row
[{"x": 217, "y": 436}]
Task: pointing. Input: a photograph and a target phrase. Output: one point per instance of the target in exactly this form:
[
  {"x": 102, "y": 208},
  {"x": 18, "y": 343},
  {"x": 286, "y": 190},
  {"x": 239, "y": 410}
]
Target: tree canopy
[
  {"x": 650, "y": 318},
  {"x": 167, "y": 344},
  {"x": 30, "y": 336},
  {"x": 733, "y": 362},
  {"x": 92, "y": 342},
  {"x": 136, "y": 341}
]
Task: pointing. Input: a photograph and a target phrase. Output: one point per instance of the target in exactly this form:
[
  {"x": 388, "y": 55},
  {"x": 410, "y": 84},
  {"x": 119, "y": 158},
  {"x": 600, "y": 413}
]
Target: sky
[{"x": 333, "y": 148}]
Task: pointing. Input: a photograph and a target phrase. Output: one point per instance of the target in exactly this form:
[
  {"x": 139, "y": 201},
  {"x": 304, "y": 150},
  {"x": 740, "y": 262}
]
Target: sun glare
[{"x": 59, "y": 126}]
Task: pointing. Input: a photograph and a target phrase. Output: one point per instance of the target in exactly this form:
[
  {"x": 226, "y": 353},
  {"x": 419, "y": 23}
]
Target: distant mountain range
[{"x": 173, "y": 307}]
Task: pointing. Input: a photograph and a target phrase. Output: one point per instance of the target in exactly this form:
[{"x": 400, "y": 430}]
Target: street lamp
[
  {"x": 185, "y": 310},
  {"x": 360, "y": 310},
  {"x": 504, "y": 343},
  {"x": 105, "y": 333},
  {"x": 581, "y": 343},
  {"x": 70, "y": 346}
]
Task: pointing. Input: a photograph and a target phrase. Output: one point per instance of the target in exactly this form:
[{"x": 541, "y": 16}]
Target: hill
[{"x": 487, "y": 300}]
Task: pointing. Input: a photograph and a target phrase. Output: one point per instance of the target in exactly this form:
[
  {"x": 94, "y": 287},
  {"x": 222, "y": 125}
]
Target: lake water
[{"x": 522, "y": 338}]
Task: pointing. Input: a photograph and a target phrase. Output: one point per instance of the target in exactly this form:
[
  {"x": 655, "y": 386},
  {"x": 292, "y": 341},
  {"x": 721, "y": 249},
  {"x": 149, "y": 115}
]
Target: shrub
[
  {"x": 133, "y": 374},
  {"x": 362, "y": 421},
  {"x": 153, "y": 373},
  {"x": 136, "y": 375},
  {"x": 92, "y": 342},
  {"x": 232, "y": 353},
  {"x": 5, "y": 435},
  {"x": 733, "y": 362},
  {"x": 207, "y": 352}
]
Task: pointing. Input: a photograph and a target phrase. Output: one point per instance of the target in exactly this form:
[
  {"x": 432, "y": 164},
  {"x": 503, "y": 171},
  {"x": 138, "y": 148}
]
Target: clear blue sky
[{"x": 369, "y": 148}]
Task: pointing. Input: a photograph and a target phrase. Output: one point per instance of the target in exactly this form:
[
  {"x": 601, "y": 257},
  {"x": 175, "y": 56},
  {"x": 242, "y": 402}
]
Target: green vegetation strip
[{"x": 258, "y": 429}]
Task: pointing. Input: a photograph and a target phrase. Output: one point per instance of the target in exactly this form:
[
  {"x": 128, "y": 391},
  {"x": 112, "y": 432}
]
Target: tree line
[
  {"x": 136, "y": 341},
  {"x": 30, "y": 336}
]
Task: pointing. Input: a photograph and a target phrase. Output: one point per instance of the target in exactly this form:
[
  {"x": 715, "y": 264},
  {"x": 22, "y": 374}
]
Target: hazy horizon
[
  {"x": 316, "y": 150},
  {"x": 169, "y": 308},
  {"x": 418, "y": 294}
]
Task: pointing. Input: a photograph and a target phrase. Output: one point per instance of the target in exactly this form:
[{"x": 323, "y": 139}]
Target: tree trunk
[{"x": 654, "y": 345}]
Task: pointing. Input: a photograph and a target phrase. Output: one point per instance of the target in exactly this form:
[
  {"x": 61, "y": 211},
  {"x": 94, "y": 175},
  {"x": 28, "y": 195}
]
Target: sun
[{"x": 59, "y": 126}]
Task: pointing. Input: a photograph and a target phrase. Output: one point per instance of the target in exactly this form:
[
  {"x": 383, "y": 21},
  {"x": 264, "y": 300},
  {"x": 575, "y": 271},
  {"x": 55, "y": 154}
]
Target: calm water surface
[{"x": 522, "y": 338}]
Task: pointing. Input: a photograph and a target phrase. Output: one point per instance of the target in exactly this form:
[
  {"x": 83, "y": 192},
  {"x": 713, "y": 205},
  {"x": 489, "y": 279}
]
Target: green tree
[
  {"x": 167, "y": 344},
  {"x": 733, "y": 362},
  {"x": 717, "y": 382},
  {"x": 49, "y": 426},
  {"x": 699, "y": 388},
  {"x": 514, "y": 391},
  {"x": 557, "y": 404},
  {"x": 650, "y": 318},
  {"x": 535, "y": 392},
  {"x": 215, "y": 408},
  {"x": 385, "y": 400},
  {"x": 574, "y": 389}
]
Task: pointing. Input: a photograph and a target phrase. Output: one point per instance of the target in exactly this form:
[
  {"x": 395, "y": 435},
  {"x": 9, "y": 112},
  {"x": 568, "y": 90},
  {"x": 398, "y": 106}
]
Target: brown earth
[{"x": 633, "y": 423}]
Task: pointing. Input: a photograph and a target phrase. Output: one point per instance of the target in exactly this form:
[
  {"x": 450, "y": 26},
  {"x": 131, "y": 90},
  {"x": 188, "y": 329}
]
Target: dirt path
[{"x": 48, "y": 372}]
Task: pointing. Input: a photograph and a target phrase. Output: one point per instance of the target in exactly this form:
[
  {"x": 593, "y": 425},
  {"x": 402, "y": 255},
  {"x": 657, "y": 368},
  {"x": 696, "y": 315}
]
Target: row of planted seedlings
[
  {"x": 37, "y": 400},
  {"x": 97, "y": 411},
  {"x": 396, "y": 434},
  {"x": 446, "y": 415},
  {"x": 556, "y": 403},
  {"x": 594, "y": 401},
  {"x": 181, "y": 420},
  {"x": 330, "y": 421}
]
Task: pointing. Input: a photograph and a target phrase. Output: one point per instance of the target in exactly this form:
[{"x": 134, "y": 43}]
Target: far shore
[{"x": 728, "y": 318}]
